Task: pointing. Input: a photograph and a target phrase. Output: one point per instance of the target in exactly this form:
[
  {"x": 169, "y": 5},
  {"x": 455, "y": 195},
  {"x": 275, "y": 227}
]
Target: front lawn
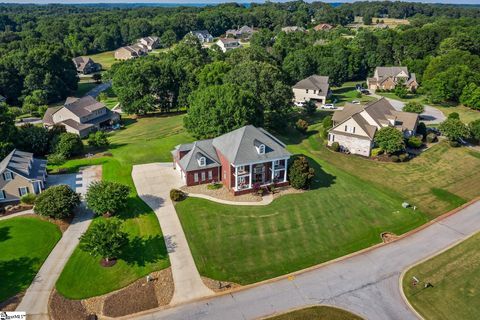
[
  {"x": 84, "y": 86},
  {"x": 317, "y": 313},
  {"x": 106, "y": 59},
  {"x": 143, "y": 141},
  {"x": 455, "y": 276},
  {"x": 25, "y": 243},
  {"x": 348, "y": 93}
]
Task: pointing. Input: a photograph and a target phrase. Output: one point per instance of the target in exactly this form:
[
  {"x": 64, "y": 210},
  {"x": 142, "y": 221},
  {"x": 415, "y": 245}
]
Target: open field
[
  {"x": 455, "y": 276},
  {"x": 317, "y": 313},
  {"x": 147, "y": 140},
  {"x": 106, "y": 59},
  {"x": 348, "y": 93},
  {"x": 390, "y": 22},
  {"x": 25, "y": 243}
]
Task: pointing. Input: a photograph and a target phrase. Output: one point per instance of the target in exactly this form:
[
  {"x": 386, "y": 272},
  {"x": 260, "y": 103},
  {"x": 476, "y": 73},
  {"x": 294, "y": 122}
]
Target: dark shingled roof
[
  {"x": 24, "y": 164},
  {"x": 314, "y": 82}
]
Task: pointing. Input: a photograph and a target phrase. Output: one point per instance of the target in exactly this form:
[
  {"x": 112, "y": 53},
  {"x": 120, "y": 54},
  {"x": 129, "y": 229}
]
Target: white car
[
  {"x": 356, "y": 102},
  {"x": 328, "y": 106},
  {"x": 299, "y": 103}
]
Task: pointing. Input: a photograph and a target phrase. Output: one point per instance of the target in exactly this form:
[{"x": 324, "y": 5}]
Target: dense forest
[{"x": 37, "y": 43}]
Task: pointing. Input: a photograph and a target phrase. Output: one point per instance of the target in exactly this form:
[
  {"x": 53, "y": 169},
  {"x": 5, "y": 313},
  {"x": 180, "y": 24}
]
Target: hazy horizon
[{"x": 210, "y": 1}]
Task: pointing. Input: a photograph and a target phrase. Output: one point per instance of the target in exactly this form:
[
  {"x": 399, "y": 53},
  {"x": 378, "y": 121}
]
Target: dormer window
[
  {"x": 7, "y": 176},
  {"x": 261, "y": 149},
  {"x": 202, "y": 161}
]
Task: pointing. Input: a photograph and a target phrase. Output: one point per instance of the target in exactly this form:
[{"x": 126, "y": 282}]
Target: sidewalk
[{"x": 266, "y": 200}]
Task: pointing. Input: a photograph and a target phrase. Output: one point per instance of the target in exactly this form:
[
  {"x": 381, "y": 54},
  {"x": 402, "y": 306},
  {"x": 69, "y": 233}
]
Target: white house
[
  {"x": 203, "y": 36},
  {"x": 227, "y": 44}
]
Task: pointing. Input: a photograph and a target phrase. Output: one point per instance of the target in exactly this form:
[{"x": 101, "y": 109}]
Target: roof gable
[{"x": 314, "y": 82}]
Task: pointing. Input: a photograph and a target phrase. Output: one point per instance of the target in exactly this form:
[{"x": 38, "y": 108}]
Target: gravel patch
[
  {"x": 12, "y": 303},
  {"x": 219, "y": 286}
]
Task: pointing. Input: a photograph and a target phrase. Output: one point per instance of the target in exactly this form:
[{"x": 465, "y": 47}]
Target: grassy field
[
  {"x": 411, "y": 97},
  {"x": 317, "y": 313},
  {"x": 25, "y": 243},
  {"x": 455, "y": 276},
  {"x": 106, "y": 59},
  {"x": 348, "y": 93},
  {"x": 146, "y": 140}
]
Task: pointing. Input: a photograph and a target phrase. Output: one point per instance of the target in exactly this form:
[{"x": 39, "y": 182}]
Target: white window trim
[
  {"x": 25, "y": 189},
  {"x": 195, "y": 177},
  {"x": 261, "y": 149},
  {"x": 10, "y": 177},
  {"x": 210, "y": 175},
  {"x": 202, "y": 162},
  {"x": 203, "y": 175},
  {"x": 2, "y": 195}
]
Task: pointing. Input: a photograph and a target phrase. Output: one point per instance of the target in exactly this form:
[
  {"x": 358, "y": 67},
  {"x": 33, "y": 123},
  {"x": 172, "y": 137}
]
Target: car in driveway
[
  {"x": 328, "y": 106},
  {"x": 356, "y": 102},
  {"x": 299, "y": 103}
]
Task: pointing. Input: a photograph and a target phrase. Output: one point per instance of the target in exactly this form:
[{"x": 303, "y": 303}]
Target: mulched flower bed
[
  {"x": 109, "y": 263},
  {"x": 62, "y": 308},
  {"x": 219, "y": 286}
]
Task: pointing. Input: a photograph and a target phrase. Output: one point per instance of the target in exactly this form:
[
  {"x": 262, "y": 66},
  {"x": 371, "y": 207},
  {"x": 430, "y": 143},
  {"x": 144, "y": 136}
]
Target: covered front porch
[{"x": 261, "y": 174}]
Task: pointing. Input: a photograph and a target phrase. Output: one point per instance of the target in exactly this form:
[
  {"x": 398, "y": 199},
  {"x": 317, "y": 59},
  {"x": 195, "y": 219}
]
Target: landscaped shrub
[
  {"x": 390, "y": 140},
  {"x": 431, "y": 137},
  {"x": 414, "y": 142},
  {"x": 413, "y": 107},
  {"x": 454, "y": 115},
  {"x": 56, "y": 202},
  {"x": 177, "y": 195},
  {"x": 56, "y": 159},
  {"x": 454, "y": 144},
  {"x": 403, "y": 157},
  {"x": 327, "y": 122},
  {"x": 454, "y": 129},
  {"x": 376, "y": 152},
  {"x": 336, "y": 146},
  {"x": 422, "y": 129},
  {"x": 302, "y": 126},
  {"x": 98, "y": 139},
  {"x": 310, "y": 107},
  {"x": 394, "y": 158},
  {"x": 69, "y": 144},
  {"x": 474, "y": 128},
  {"x": 300, "y": 174},
  {"x": 104, "y": 239},
  {"x": 214, "y": 186},
  {"x": 28, "y": 199},
  {"x": 107, "y": 197}
]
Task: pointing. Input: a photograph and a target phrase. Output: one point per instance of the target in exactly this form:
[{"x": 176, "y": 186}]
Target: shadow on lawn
[
  {"x": 141, "y": 251},
  {"x": 322, "y": 179},
  {"x": 16, "y": 275},
  {"x": 4, "y": 234}
]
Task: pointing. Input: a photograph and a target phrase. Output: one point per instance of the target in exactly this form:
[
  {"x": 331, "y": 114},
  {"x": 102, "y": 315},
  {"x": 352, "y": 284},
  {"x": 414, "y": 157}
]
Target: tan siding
[
  {"x": 11, "y": 187},
  {"x": 64, "y": 114}
]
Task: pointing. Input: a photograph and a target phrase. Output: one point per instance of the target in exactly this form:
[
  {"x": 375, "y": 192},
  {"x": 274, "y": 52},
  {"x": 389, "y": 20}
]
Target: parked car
[
  {"x": 365, "y": 92},
  {"x": 299, "y": 103},
  {"x": 356, "y": 102},
  {"x": 328, "y": 106}
]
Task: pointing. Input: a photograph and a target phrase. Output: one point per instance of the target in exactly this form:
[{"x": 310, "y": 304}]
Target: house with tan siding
[
  {"x": 242, "y": 160},
  {"x": 20, "y": 174},
  {"x": 315, "y": 88},
  {"x": 387, "y": 78}
]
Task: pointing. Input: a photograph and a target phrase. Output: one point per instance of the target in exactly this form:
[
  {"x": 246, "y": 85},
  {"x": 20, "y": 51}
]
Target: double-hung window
[
  {"x": 2, "y": 195},
  {"x": 195, "y": 177},
  {"x": 210, "y": 175},
  {"x": 7, "y": 176},
  {"x": 203, "y": 176},
  {"x": 22, "y": 191}
]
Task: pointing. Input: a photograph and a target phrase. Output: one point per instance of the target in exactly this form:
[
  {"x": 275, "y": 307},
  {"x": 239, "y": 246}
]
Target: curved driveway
[{"x": 366, "y": 283}]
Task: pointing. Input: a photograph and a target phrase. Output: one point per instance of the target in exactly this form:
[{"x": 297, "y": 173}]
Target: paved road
[
  {"x": 153, "y": 183},
  {"x": 431, "y": 115},
  {"x": 98, "y": 89},
  {"x": 35, "y": 301},
  {"x": 366, "y": 283}
]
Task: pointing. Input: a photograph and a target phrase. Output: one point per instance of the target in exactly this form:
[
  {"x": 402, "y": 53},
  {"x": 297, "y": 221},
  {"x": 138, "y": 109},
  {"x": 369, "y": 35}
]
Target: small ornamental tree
[
  {"x": 300, "y": 174},
  {"x": 400, "y": 90},
  {"x": 474, "y": 128},
  {"x": 104, "y": 239},
  {"x": 414, "y": 107},
  {"x": 56, "y": 202},
  {"x": 454, "y": 129},
  {"x": 69, "y": 144},
  {"x": 327, "y": 122},
  {"x": 98, "y": 139},
  {"x": 107, "y": 197},
  {"x": 454, "y": 115},
  {"x": 422, "y": 129},
  {"x": 302, "y": 126},
  {"x": 390, "y": 140},
  {"x": 310, "y": 107}
]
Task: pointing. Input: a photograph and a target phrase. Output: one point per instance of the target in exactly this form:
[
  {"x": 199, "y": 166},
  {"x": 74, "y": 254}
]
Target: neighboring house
[
  {"x": 81, "y": 116},
  {"x": 148, "y": 43},
  {"x": 314, "y": 88},
  {"x": 20, "y": 174},
  {"x": 381, "y": 26},
  {"x": 130, "y": 52},
  {"x": 355, "y": 126},
  {"x": 387, "y": 78},
  {"x": 86, "y": 65},
  {"x": 323, "y": 26},
  {"x": 2, "y": 98},
  {"x": 227, "y": 44},
  {"x": 244, "y": 32},
  {"x": 202, "y": 35},
  {"x": 241, "y": 159},
  {"x": 293, "y": 29}
]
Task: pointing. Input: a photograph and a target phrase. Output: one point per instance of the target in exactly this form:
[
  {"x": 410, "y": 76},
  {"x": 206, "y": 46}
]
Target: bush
[
  {"x": 390, "y": 140},
  {"x": 214, "y": 186},
  {"x": 302, "y": 126},
  {"x": 431, "y": 137},
  {"x": 454, "y": 129},
  {"x": 300, "y": 174},
  {"x": 28, "y": 199},
  {"x": 104, "y": 238},
  {"x": 403, "y": 157},
  {"x": 454, "y": 115},
  {"x": 336, "y": 146},
  {"x": 177, "y": 195},
  {"x": 394, "y": 158},
  {"x": 107, "y": 197},
  {"x": 310, "y": 107},
  {"x": 56, "y": 202},
  {"x": 454, "y": 144},
  {"x": 474, "y": 128},
  {"x": 69, "y": 144},
  {"x": 327, "y": 122},
  {"x": 98, "y": 139},
  {"x": 422, "y": 129},
  {"x": 401, "y": 91},
  {"x": 376, "y": 152},
  {"x": 414, "y": 142},
  {"x": 413, "y": 107},
  {"x": 56, "y": 159}
]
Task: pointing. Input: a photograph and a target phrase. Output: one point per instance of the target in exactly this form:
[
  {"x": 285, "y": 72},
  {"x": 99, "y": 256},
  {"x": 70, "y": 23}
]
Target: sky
[{"x": 208, "y": 1}]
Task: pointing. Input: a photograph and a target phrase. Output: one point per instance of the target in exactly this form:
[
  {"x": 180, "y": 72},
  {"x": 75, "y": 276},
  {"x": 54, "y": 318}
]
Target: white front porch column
[
  {"x": 285, "y": 174},
  {"x": 250, "y": 177},
  {"x": 236, "y": 178},
  {"x": 273, "y": 170}
]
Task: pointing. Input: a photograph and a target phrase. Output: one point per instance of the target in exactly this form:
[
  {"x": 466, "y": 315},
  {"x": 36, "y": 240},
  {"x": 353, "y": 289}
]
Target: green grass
[
  {"x": 455, "y": 276},
  {"x": 411, "y": 97},
  {"x": 348, "y": 93},
  {"x": 84, "y": 87},
  {"x": 25, "y": 243},
  {"x": 106, "y": 59},
  {"x": 467, "y": 115},
  {"x": 146, "y": 140},
  {"x": 317, "y": 313},
  {"x": 449, "y": 197}
]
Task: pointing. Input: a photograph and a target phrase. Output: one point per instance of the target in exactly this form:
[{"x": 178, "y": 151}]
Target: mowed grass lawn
[
  {"x": 455, "y": 276},
  {"x": 317, "y": 313},
  {"x": 25, "y": 243},
  {"x": 348, "y": 93},
  {"x": 143, "y": 141},
  {"x": 106, "y": 59}
]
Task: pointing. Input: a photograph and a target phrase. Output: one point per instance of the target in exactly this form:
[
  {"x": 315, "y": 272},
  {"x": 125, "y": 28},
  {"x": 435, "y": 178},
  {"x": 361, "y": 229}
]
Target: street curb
[
  {"x": 306, "y": 270},
  {"x": 308, "y": 306},
  {"x": 402, "y": 275}
]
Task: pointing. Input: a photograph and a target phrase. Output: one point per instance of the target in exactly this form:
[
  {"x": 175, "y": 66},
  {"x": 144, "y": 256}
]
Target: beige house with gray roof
[
  {"x": 387, "y": 78},
  {"x": 355, "y": 126},
  {"x": 314, "y": 88},
  {"x": 20, "y": 174},
  {"x": 81, "y": 116}
]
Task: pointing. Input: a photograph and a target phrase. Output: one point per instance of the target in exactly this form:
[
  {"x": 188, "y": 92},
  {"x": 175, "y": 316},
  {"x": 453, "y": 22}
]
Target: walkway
[
  {"x": 266, "y": 200},
  {"x": 366, "y": 283},
  {"x": 153, "y": 183},
  {"x": 98, "y": 89},
  {"x": 35, "y": 301},
  {"x": 17, "y": 214}
]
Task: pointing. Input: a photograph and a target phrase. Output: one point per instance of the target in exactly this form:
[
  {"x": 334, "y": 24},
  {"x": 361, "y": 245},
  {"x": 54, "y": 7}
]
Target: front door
[{"x": 258, "y": 173}]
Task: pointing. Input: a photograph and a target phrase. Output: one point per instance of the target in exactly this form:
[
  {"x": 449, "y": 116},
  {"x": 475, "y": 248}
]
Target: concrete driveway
[
  {"x": 366, "y": 283},
  {"x": 153, "y": 183},
  {"x": 98, "y": 89}
]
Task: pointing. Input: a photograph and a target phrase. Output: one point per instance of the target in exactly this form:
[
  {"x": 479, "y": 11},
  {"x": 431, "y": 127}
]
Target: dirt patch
[
  {"x": 281, "y": 191},
  {"x": 136, "y": 297},
  {"x": 61, "y": 308},
  {"x": 388, "y": 237},
  {"x": 219, "y": 286},
  {"x": 11, "y": 208},
  {"x": 63, "y": 224},
  {"x": 12, "y": 303}
]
